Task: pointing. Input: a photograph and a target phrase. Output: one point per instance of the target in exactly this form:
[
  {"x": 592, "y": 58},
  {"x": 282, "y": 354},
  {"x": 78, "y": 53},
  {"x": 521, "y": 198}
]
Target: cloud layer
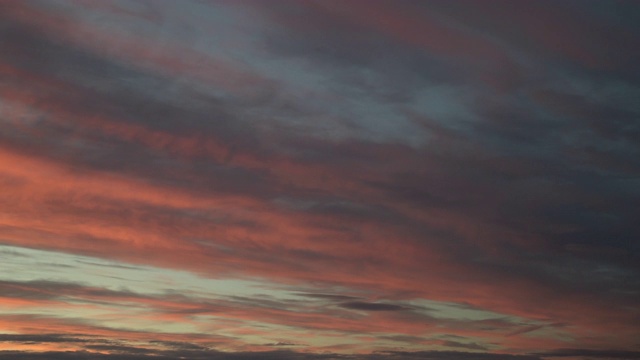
[{"x": 319, "y": 179}]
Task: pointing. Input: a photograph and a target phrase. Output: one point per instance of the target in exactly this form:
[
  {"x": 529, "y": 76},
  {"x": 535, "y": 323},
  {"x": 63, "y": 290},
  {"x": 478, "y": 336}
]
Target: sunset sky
[{"x": 320, "y": 179}]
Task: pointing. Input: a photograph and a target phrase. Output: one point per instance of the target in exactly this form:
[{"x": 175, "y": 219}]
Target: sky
[{"x": 319, "y": 179}]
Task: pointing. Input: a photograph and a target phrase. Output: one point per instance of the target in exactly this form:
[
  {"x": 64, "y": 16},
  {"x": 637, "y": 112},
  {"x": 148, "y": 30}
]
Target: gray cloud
[
  {"x": 460, "y": 345},
  {"x": 370, "y": 306},
  {"x": 519, "y": 171},
  {"x": 43, "y": 338},
  {"x": 44, "y": 289},
  {"x": 593, "y": 354},
  {"x": 273, "y": 355},
  {"x": 332, "y": 297}
]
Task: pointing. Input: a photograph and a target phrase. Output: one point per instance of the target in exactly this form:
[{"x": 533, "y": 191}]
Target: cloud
[
  {"x": 363, "y": 161},
  {"x": 367, "y": 306},
  {"x": 469, "y": 346},
  {"x": 592, "y": 354},
  {"x": 286, "y": 355},
  {"x": 41, "y": 338},
  {"x": 283, "y": 343},
  {"x": 400, "y": 355},
  {"x": 333, "y": 297}
]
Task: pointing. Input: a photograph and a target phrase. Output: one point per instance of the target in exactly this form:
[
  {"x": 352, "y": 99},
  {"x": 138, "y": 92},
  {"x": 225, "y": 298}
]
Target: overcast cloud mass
[{"x": 319, "y": 179}]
